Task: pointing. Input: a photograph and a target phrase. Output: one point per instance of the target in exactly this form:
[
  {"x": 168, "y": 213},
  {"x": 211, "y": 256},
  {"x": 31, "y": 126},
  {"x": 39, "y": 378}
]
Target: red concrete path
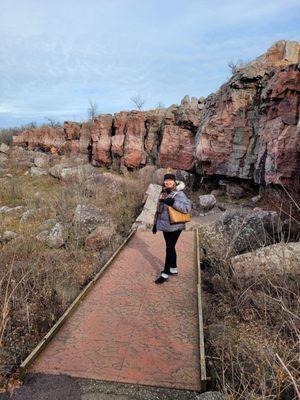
[{"x": 128, "y": 329}]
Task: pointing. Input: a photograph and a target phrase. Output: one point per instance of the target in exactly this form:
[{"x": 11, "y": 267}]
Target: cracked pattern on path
[{"x": 128, "y": 329}]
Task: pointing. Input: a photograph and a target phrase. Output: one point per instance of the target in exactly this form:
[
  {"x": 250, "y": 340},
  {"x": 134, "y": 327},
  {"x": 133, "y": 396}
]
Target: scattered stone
[
  {"x": 100, "y": 237},
  {"x": 4, "y": 148},
  {"x": 36, "y": 171},
  {"x": 27, "y": 215},
  {"x": 211, "y": 396},
  {"x": 7, "y": 236},
  {"x": 42, "y": 160},
  {"x": 88, "y": 217},
  {"x": 3, "y": 158},
  {"x": 207, "y": 202},
  {"x": 57, "y": 236},
  {"x": 10, "y": 210},
  {"x": 256, "y": 199}
]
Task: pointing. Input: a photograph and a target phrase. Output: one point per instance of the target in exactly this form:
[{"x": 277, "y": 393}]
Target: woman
[{"x": 171, "y": 195}]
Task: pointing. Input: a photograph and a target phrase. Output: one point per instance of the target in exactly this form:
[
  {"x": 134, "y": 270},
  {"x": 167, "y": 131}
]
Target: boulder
[
  {"x": 75, "y": 174},
  {"x": 146, "y": 173},
  {"x": 3, "y": 158},
  {"x": 36, "y": 171},
  {"x": 207, "y": 202},
  {"x": 42, "y": 160},
  {"x": 278, "y": 258},
  {"x": 236, "y": 232},
  {"x": 233, "y": 190},
  {"x": 99, "y": 237},
  {"x": 4, "y": 148},
  {"x": 22, "y": 157},
  {"x": 7, "y": 236},
  {"x": 27, "y": 215},
  {"x": 251, "y": 230},
  {"x": 56, "y": 238},
  {"x": 88, "y": 217}
]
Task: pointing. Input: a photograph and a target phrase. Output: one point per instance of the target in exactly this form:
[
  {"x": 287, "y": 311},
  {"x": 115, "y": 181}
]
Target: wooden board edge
[
  {"x": 46, "y": 339},
  {"x": 203, "y": 374}
]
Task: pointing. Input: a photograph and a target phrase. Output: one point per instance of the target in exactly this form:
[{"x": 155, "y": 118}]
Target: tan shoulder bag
[{"x": 176, "y": 216}]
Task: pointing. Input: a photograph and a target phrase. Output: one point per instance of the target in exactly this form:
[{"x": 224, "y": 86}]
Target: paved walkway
[{"x": 128, "y": 329}]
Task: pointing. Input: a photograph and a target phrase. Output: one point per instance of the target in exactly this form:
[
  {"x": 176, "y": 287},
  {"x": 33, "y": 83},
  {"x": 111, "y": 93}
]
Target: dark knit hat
[{"x": 169, "y": 174}]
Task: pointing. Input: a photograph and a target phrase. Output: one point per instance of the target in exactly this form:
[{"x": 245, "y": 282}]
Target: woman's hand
[{"x": 169, "y": 201}]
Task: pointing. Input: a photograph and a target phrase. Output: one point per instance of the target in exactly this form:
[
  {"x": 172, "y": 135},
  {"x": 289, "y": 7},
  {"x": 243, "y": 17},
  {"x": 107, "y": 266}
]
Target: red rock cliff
[{"x": 248, "y": 129}]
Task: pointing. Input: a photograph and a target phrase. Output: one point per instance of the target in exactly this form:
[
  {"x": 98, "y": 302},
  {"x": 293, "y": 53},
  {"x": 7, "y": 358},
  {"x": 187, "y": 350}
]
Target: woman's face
[{"x": 169, "y": 183}]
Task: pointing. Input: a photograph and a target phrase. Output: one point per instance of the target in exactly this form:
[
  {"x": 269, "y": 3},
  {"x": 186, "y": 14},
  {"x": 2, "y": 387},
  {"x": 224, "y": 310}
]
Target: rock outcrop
[
  {"x": 278, "y": 258},
  {"x": 248, "y": 129},
  {"x": 131, "y": 139}
]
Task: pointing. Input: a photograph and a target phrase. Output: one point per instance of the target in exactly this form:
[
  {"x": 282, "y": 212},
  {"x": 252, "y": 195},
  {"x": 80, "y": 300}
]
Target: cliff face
[
  {"x": 129, "y": 138},
  {"x": 248, "y": 129}
]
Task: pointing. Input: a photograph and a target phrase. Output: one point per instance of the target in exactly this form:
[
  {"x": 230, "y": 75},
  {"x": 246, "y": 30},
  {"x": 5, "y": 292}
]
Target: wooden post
[{"x": 203, "y": 376}]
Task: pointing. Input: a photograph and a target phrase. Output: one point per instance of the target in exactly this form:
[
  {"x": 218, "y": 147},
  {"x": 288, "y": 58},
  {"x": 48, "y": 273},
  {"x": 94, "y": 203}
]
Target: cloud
[{"x": 55, "y": 56}]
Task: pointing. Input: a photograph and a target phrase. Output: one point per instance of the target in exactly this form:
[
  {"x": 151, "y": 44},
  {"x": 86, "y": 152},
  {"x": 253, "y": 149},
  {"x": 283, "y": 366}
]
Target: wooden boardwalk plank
[{"x": 128, "y": 329}]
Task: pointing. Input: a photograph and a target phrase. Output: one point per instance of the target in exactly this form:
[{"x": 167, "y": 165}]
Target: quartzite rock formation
[{"x": 248, "y": 129}]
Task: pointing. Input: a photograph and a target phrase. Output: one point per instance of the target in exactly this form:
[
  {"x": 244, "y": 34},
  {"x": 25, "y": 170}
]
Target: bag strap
[{"x": 174, "y": 194}]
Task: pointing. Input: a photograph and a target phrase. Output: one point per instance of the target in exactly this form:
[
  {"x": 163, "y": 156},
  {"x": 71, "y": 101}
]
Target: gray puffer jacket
[{"x": 181, "y": 203}]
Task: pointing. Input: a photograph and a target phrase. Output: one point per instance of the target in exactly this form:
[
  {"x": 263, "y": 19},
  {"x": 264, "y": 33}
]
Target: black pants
[{"x": 171, "y": 257}]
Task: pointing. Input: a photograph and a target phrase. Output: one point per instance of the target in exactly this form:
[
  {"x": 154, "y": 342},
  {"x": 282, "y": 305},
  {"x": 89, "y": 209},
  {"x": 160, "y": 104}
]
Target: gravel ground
[{"x": 63, "y": 387}]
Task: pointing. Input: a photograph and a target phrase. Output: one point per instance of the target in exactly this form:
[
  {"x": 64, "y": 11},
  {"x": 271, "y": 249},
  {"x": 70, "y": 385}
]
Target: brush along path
[{"x": 127, "y": 328}]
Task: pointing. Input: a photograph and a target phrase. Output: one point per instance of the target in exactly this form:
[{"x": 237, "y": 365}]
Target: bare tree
[
  {"x": 138, "y": 101},
  {"x": 92, "y": 109},
  {"x": 235, "y": 65},
  {"x": 160, "y": 105},
  {"x": 52, "y": 122}
]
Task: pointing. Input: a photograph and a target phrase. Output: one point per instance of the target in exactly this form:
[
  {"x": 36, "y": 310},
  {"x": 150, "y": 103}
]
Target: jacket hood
[{"x": 180, "y": 185}]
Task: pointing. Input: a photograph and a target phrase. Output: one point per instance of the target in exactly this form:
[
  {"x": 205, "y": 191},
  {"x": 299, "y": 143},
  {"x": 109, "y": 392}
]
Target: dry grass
[{"x": 252, "y": 331}]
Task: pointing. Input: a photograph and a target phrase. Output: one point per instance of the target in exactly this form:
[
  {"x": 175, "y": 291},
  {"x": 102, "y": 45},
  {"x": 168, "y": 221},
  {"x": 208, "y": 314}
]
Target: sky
[{"x": 56, "y": 56}]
